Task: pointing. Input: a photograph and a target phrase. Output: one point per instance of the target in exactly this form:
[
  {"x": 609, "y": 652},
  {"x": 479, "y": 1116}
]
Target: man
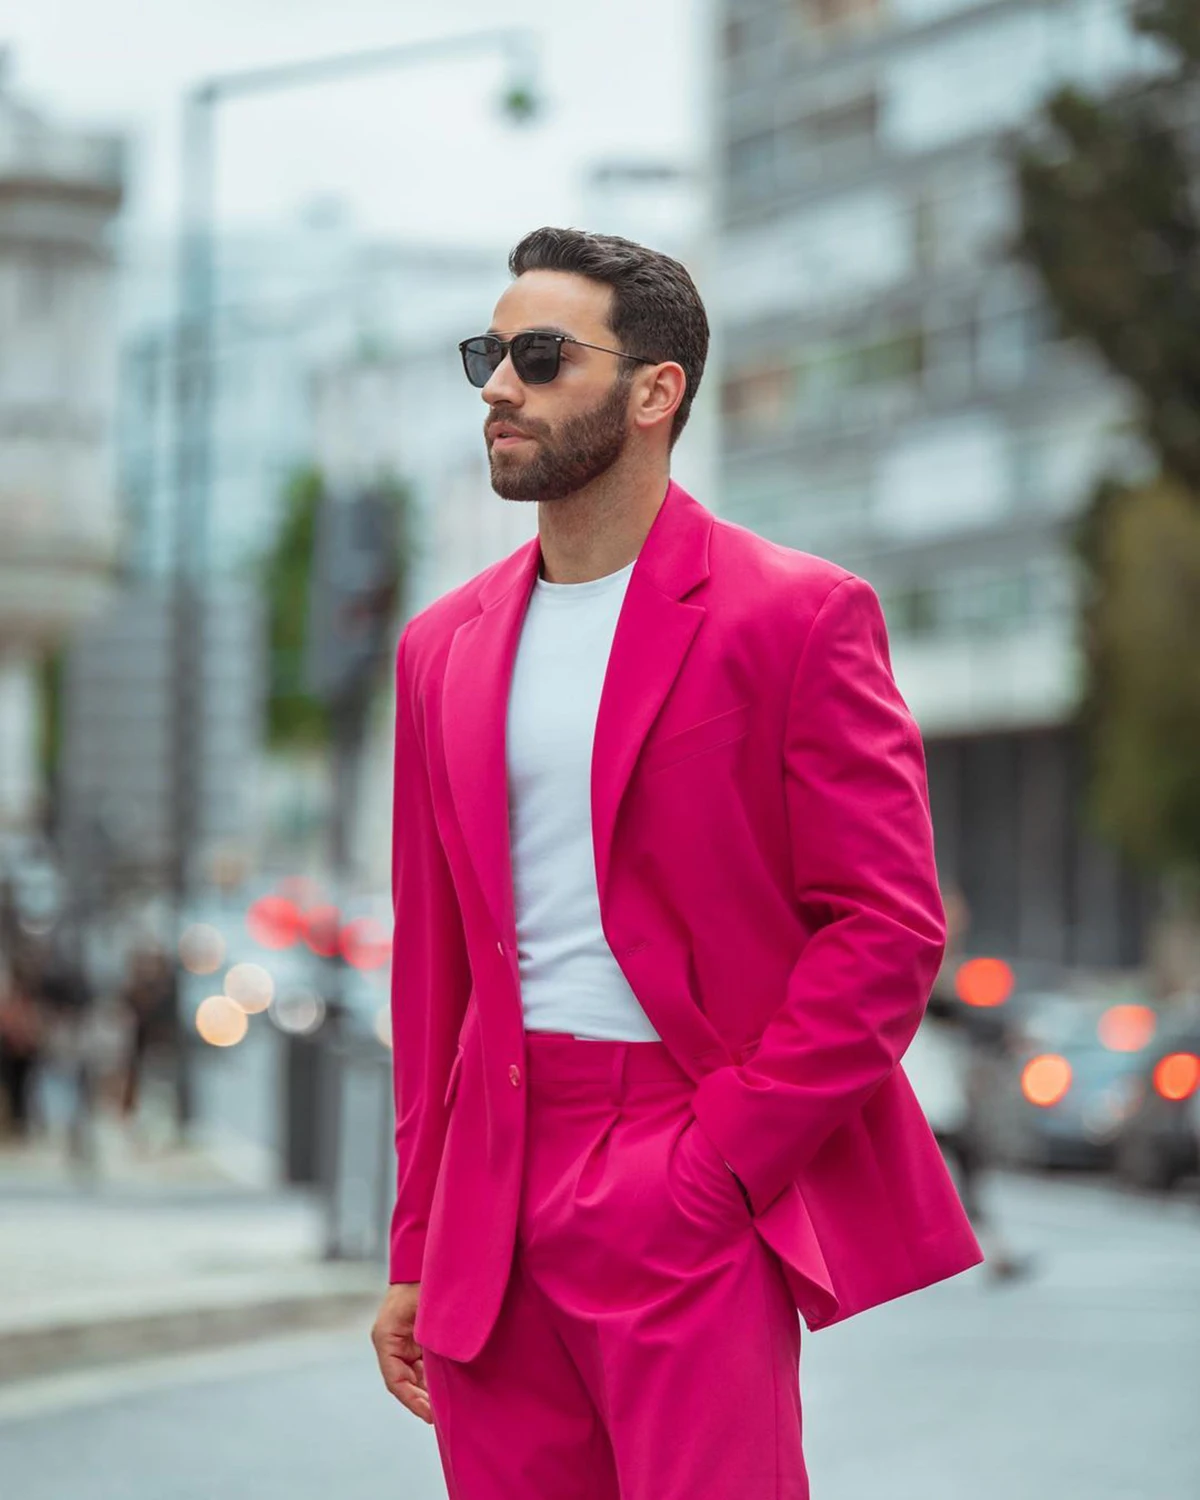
[{"x": 666, "y": 920}]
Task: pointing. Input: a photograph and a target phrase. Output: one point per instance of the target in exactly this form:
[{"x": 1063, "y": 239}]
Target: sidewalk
[{"x": 157, "y": 1250}]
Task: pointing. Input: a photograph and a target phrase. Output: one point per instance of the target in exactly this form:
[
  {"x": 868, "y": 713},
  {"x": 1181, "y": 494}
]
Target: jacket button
[{"x": 514, "y": 1076}]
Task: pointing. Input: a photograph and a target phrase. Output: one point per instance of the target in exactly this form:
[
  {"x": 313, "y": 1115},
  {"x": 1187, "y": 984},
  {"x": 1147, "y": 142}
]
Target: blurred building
[
  {"x": 894, "y": 398},
  {"x": 328, "y": 349},
  {"x": 116, "y": 787},
  {"x": 59, "y": 191}
]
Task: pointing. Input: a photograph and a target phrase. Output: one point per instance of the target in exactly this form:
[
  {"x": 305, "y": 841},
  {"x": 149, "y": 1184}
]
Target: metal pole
[
  {"x": 193, "y": 461},
  {"x": 194, "y": 403}
]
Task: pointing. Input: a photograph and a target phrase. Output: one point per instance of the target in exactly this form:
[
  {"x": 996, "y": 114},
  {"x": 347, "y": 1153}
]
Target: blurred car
[
  {"x": 1159, "y": 1142},
  {"x": 1073, "y": 1078}
]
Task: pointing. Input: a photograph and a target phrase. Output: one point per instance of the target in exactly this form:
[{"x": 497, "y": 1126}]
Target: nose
[{"x": 503, "y": 385}]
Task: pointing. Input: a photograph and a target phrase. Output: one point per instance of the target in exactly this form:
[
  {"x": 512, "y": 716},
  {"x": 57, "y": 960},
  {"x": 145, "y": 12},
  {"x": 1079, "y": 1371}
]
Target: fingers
[
  {"x": 415, "y": 1400},
  {"x": 405, "y": 1380}
]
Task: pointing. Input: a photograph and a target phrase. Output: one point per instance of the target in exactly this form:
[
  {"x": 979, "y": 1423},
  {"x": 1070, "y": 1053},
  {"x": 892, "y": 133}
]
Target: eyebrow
[{"x": 537, "y": 328}]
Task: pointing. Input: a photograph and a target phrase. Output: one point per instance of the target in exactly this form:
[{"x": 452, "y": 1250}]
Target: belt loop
[{"x": 620, "y": 1053}]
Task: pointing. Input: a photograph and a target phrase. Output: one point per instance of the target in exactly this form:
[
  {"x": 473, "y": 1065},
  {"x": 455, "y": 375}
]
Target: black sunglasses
[{"x": 535, "y": 356}]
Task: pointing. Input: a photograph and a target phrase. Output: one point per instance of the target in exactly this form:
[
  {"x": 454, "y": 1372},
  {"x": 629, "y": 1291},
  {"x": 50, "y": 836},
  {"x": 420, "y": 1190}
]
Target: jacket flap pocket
[{"x": 709, "y": 734}]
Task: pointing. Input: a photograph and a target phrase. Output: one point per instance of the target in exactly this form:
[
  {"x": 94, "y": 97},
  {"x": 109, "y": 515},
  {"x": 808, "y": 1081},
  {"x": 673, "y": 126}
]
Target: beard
[{"x": 568, "y": 457}]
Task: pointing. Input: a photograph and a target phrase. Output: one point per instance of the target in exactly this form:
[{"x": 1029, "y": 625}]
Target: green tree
[
  {"x": 1144, "y": 636},
  {"x": 1109, "y": 221},
  {"x": 295, "y": 718}
]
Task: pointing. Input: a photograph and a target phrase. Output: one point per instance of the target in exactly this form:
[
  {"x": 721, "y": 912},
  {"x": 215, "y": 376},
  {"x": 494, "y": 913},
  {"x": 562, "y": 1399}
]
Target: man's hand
[{"x": 400, "y": 1359}]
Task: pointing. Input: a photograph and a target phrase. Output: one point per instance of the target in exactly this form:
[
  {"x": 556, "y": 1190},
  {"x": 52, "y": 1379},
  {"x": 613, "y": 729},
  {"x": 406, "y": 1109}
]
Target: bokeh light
[
  {"x": 1177, "y": 1076},
  {"x": 1046, "y": 1079},
  {"x": 201, "y": 949},
  {"x": 299, "y": 1012},
  {"x": 300, "y": 890},
  {"x": 321, "y": 928},
  {"x": 365, "y": 943},
  {"x": 984, "y": 982},
  {"x": 221, "y": 1022},
  {"x": 274, "y": 922},
  {"x": 251, "y": 987},
  {"x": 1127, "y": 1028}
]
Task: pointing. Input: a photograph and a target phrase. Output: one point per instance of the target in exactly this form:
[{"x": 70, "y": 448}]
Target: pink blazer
[{"x": 766, "y": 877}]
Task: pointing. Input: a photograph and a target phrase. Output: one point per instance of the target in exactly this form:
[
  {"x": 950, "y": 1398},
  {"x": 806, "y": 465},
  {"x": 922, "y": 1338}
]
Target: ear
[{"x": 658, "y": 390}]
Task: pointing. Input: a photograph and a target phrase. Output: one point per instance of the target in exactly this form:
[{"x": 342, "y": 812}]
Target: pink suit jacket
[{"x": 766, "y": 879}]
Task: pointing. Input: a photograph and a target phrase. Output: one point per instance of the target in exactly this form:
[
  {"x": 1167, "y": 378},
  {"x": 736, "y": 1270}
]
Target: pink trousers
[{"x": 647, "y": 1347}]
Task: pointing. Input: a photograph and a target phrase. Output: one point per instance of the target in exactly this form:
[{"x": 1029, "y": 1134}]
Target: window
[
  {"x": 833, "y": 140},
  {"x": 752, "y": 167},
  {"x": 883, "y": 360},
  {"x": 925, "y": 231},
  {"x": 838, "y": 15},
  {"x": 758, "y": 399}
]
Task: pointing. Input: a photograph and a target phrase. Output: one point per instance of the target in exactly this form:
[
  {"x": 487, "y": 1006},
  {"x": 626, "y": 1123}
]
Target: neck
[{"x": 600, "y": 529}]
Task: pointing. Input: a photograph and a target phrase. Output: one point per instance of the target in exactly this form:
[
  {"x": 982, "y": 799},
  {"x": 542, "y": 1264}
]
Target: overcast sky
[{"x": 417, "y": 153}]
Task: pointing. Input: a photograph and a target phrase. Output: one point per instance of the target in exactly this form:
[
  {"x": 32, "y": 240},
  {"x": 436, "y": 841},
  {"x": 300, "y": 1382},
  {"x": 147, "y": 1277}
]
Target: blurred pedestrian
[
  {"x": 148, "y": 997},
  {"x": 949, "y": 1065},
  {"x": 21, "y": 1039},
  {"x": 666, "y": 916}
]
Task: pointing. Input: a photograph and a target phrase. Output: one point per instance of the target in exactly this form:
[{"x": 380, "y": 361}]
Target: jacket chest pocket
[{"x": 697, "y": 739}]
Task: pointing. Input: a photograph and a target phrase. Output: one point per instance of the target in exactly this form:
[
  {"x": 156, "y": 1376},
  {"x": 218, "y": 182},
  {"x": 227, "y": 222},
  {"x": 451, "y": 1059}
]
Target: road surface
[{"x": 1081, "y": 1382}]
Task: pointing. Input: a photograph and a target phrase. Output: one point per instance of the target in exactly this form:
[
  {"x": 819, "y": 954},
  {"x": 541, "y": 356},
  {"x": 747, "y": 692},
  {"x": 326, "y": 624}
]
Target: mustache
[{"x": 500, "y": 418}]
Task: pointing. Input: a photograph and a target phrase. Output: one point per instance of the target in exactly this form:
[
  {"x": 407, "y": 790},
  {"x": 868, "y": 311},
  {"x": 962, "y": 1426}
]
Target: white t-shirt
[{"x": 570, "y": 980}]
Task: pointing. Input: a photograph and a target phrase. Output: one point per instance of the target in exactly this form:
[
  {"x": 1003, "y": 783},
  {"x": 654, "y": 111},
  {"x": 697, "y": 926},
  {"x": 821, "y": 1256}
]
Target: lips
[{"x": 504, "y": 431}]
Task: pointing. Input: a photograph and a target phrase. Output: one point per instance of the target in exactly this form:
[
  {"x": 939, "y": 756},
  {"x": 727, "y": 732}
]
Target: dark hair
[{"x": 656, "y": 310}]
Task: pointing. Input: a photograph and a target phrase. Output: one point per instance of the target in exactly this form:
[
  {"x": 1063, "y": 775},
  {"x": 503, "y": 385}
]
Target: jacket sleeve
[
  {"x": 430, "y": 986},
  {"x": 866, "y": 885}
]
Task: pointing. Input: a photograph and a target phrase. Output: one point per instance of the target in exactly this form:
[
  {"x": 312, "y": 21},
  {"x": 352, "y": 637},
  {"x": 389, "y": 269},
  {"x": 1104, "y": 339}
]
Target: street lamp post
[{"x": 194, "y": 405}]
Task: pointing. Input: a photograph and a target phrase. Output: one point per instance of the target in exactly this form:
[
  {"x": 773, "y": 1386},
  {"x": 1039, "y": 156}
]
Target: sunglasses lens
[
  {"x": 535, "y": 357},
  {"x": 480, "y": 358}
]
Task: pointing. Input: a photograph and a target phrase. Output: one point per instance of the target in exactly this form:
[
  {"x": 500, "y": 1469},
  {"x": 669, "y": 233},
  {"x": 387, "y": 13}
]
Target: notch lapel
[
  {"x": 653, "y": 635},
  {"x": 475, "y": 690}
]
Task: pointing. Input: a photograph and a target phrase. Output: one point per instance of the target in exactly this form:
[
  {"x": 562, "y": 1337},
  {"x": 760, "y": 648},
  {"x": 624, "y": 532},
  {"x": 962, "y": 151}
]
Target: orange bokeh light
[
  {"x": 274, "y": 921},
  {"x": 1127, "y": 1028},
  {"x": 1046, "y": 1079},
  {"x": 984, "y": 982},
  {"x": 221, "y": 1021},
  {"x": 1178, "y": 1076}
]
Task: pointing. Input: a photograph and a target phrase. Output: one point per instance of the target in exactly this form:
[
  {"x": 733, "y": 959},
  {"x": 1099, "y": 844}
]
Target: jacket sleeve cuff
[
  {"x": 716, "y": 1120},
  {"x": 719, "y": 1128},
  {"x": 405, "y": 1256}
]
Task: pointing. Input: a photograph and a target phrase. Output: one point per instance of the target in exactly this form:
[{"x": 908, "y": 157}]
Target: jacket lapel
[
  {"x": 474, "y": 714},
  {"x": 653, "y": 635},
  {"x": 652, "y": 638}
]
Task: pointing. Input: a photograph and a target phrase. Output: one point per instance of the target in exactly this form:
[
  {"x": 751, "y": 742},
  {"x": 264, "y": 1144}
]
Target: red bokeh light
[
  {"x": 1178, "y": 1076},
  {"x": 366, "y": 943},
  {"x": 321, "y": 924},
  {"x": 1127, "y": 1028},
  {"x": 984, "y": 982},
  {"x": 302, "y": 890},
  {"x": 275, "y": 922}
]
